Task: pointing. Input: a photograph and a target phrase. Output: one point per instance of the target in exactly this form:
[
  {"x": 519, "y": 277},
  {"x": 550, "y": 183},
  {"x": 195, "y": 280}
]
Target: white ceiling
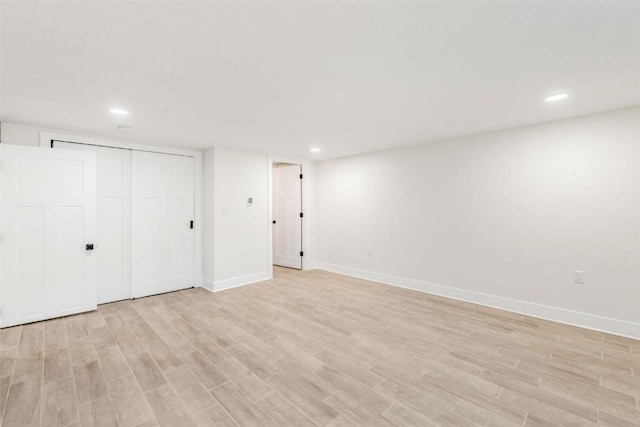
[{"x": 281, "y": 77}]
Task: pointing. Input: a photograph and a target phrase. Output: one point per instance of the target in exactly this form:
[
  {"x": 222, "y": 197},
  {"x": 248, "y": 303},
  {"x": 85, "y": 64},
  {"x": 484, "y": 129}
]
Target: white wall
[
  {"x": 236, "y": 243},
  {"x": 19, "y": 134},
  {"x": 502, "y": 218},
  {"x": 241, "y": 232},
  {"x": 208, "y": 216}
]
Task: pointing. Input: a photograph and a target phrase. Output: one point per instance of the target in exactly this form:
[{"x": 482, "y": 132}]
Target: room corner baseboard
[
  {"x": 310, "y": 265},
  {"x": 207, "y": 284},
  {"x": 556, "y": 314},
  {"x": 234, "y": 282}
]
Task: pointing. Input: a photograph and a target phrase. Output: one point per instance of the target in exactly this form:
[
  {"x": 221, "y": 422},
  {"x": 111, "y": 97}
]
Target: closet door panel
[
  {"x": 113, "y": 235},
  {"x": 163, "y": 246},
  {"x": 29, "y": 258},
  {"x": 70, "y": 255},
  {"x": 47, "y": 218}
]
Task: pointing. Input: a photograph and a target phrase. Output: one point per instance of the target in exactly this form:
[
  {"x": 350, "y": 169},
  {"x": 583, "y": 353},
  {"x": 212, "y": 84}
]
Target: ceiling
[{"x": 281, "y": 77}]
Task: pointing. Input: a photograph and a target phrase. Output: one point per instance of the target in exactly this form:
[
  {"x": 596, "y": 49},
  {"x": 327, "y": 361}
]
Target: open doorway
[{"x": 287, "y": 215}]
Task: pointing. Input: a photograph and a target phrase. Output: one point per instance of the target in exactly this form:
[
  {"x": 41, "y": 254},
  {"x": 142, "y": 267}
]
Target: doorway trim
[
  {"x": 46, "y": 137},
  {"x": 308, "y": 170},
  {"x": 291, "y": 172}
]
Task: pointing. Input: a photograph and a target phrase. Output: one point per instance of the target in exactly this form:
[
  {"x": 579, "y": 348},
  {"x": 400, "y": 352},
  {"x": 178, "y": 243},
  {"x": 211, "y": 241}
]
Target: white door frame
[
  {"x": 291, "y": 171},
  {"x": 45, "y": 141},
  {"x": 307, "y": 173}
]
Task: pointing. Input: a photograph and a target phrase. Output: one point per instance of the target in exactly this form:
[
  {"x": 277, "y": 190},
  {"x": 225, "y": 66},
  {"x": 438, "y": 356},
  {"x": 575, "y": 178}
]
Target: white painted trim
[
  {"x": 207, "y": 284},
  {"x": 234, "y": 282},
  {"x": 270, "y": 216},
  {"x": 556, "y": 314},
  {"x": 1, "y": 224},
  {"x": 198, "y": 218},
  {"x": 307, "y": 263},
  {"x": 47, "y": 136},
  {"x": 307, "y": 172},
  {"x": 311, "y": 265}
]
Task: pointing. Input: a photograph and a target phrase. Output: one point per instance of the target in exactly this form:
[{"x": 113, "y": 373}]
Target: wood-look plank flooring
[{"x": 313, "y": 348}]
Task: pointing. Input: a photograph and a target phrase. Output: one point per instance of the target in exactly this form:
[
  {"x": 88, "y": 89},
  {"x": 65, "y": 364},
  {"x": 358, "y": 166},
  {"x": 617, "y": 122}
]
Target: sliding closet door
[
  {"x": 163, "y": 240},
  {"x": 48, "y": 226},
  {"x": 113, "y": 234}
]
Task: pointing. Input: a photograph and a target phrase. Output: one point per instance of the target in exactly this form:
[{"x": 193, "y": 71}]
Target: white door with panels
[
  {"x": 47, "y": 227},
  {"x": 163, "y": 238},
  {"x": 113, "y": 234},
  {"x": 287, "y": 216}
]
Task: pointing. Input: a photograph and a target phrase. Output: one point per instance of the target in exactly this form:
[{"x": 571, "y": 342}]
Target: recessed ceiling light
[
  {"x": 118, "y": 111},
  {"x": 557, "y": 97},
  {"x": 314, "y": 150}
]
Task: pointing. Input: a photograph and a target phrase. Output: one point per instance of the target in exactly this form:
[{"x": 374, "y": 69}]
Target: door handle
[{"x": 89, "y": 246}]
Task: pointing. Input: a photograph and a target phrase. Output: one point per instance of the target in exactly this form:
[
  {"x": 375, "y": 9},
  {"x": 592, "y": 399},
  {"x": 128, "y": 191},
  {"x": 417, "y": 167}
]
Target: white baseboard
[
  {"x": 234, "y": 282},
  {"x": 556, "y": 314},
  {"x": 309, "y": 265},
  {"x": 207, "y": 284}
]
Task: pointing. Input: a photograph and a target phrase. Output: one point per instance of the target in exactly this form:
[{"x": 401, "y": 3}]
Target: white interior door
[
  {"x": 287, "y": 208},
  {"x": 113, "y": 233},
  {"x": 163, "y": 244},
  {"x": 48, "y": 218}
]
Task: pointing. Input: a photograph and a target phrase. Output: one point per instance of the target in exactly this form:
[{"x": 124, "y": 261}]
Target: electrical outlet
[
  {"x": 578, "y": 277},
  {"x": 369, "y": 250}
]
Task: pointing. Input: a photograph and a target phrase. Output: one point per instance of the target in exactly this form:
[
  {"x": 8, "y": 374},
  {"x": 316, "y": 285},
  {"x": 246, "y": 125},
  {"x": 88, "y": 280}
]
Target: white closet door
[
  {"x": 113, "y": 235},
  {"x": 287, "y": 206},
  {"x": 163, "y": 244},
  {"x": 48, "y": 218}
]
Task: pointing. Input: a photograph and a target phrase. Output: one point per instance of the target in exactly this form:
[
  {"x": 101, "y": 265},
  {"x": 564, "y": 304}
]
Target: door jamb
[{"x": 306, "y": 168}]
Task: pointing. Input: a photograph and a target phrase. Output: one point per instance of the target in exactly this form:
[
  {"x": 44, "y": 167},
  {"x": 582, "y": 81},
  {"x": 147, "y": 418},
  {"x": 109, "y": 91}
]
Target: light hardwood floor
[{"x": 313, "y": 348}]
